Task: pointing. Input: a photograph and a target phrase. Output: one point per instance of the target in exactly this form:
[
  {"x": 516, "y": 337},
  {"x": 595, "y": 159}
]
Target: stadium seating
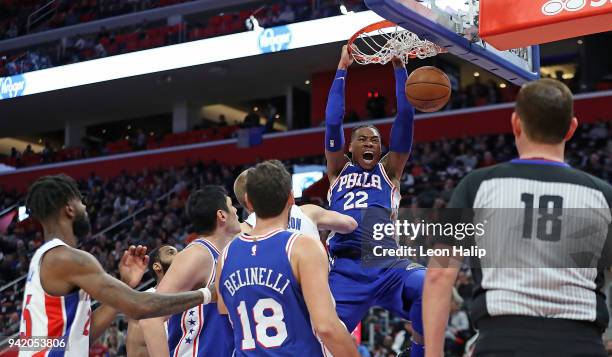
[
  {"x": 126, "y": 40},
  {"x": 435, "y": 167}
]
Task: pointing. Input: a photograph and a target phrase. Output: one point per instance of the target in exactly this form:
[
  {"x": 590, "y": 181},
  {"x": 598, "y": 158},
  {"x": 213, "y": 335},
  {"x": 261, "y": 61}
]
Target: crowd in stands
[
  {"x": 147, "y": 208},
  {"x": 14, "y": 13},
  {"x": 94, "y": 147},
  {"x": 476, "y": 94},
  {"x": 144, "y": 35}
]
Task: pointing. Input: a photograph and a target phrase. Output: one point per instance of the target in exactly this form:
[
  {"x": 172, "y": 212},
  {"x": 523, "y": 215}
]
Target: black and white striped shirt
[{"x": 548, "y": 240}]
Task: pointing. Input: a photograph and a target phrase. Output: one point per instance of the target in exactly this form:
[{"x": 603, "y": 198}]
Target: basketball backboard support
[{"x": 453, "y": 25}]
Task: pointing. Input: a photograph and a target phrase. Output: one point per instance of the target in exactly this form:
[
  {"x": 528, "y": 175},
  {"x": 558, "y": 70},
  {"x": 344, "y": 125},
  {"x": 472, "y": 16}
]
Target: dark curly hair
[{"x": 49, "y": 193}]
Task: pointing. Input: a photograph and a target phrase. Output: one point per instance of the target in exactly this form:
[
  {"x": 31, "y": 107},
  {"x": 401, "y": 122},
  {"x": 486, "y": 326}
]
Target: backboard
[{"x": 453, "y": 24}]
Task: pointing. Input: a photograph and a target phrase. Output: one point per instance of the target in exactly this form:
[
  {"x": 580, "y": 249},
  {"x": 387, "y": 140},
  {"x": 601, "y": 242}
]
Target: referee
[{"x": 554, "y": 309}]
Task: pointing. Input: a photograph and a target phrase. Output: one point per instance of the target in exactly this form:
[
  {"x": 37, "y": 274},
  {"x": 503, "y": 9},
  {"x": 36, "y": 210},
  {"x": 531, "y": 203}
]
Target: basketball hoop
[{"x": 381, "y": 41}]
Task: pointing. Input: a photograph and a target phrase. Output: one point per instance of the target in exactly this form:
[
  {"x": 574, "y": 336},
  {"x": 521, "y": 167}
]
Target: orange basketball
[{"x": 428, "y": 89}]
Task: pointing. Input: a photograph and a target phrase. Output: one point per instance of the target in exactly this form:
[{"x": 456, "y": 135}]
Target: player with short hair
[
  {"x": 366, "y": 187},
  {"x": 62, "y": 279},
  {"x": 305, "y": 219},
  {"x": 159, "y": 262},
  {"x": 200, "y": 331},
  {"x": 528, "y": 306},
  {"x": 273, "y": 283}
]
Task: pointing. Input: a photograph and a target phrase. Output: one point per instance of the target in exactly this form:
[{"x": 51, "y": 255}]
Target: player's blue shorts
[{"x": 397, "y": 288}]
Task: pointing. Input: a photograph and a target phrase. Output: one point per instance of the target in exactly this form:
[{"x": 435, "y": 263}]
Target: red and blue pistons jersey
[
  {"x": 264, "y": 300},
  {"x": 201, "y": 331},
  {"x": 370, "y": 198},
  {"x": 52, "y": 317}
]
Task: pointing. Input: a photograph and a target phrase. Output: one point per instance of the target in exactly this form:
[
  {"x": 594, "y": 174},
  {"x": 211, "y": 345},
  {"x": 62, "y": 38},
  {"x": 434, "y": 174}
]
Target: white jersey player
[
  {"x": 54, "y": 316},
  {"x": 306, "y": 219},
  {"x": 61, "y": 280},
  {"x": 299, "y": 221}
]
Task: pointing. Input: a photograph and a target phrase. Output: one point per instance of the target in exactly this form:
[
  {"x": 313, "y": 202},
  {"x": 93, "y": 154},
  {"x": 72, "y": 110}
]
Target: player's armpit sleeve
[
  {"x": 458, "y": 214},
  {"x": 460, "y": 197},
  {"x": 403, "y": 125},
  {"x": 334, "y": 114}
]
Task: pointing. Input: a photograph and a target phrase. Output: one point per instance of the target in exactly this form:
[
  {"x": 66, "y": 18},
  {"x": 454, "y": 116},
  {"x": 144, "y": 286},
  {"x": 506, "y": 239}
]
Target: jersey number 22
[{"x": 356, "y": 200}]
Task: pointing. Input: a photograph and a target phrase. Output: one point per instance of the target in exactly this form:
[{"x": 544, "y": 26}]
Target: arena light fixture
[{"x": 182, "y": 55}]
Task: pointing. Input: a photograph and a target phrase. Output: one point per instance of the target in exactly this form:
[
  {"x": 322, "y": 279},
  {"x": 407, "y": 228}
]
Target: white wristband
[{"x": 207, "y": 295}]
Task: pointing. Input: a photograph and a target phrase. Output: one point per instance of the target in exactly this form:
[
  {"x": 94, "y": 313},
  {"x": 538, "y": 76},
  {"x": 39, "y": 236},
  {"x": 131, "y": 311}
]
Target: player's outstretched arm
[
  {"x": 311, "y": 266},
  {"x": 190, "y": 269},
  {"x": 334, "y": 115},
  {"x": 132, "y": 267},
  {"x": 329, "y": 220},
  {"x": 403, "y": 126},
  {"x": 81, "y": 269}
]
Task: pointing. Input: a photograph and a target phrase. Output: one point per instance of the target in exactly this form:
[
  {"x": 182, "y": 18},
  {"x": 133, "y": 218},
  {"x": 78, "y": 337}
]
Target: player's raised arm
[
  {"x": 334, "y": 115},
  {"x": 132, "y": 267},
  {"x": 329, "y": 220},
  {"x": 81, "y": 269},
  {"x": 403, "y": 126},
  {"x": 189, "y": 269},
  {"x": 311, "y": 266}
]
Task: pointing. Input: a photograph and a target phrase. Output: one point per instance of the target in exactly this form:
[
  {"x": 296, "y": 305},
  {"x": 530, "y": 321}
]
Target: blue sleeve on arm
[
  {"x": 334, "y": 114},
  {"x": 403, "y": 126}
]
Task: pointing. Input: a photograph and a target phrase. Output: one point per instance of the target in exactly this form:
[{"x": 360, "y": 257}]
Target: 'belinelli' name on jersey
[{"x": 256, "y": 276}]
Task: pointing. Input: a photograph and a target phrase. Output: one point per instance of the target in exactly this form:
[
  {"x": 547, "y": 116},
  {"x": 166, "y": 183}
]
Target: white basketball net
[{"x": 380, "y": 46}]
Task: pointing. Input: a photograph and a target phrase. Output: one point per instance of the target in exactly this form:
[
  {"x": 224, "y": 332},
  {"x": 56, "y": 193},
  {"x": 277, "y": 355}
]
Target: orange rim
[{"x": 373, "y": 27}]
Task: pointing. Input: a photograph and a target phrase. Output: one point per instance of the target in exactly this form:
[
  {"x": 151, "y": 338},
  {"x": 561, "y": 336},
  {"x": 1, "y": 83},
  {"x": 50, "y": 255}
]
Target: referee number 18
[{"x": 548, "y": 225}]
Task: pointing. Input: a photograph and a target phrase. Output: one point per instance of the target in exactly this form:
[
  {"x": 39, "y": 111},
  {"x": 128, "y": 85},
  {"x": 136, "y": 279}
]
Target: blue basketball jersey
[
  {"x": 370, "y": 198},
  {"x": 263, "y": 298},
  {"x": 201, "y": 330}
]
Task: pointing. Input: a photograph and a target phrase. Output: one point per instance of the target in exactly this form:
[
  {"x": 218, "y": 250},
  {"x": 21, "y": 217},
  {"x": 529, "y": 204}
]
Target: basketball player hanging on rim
[
  {"x": 546, "y": 310},
  {"x": 366, "y": 187},
  {"x": 62, "y": 279}
]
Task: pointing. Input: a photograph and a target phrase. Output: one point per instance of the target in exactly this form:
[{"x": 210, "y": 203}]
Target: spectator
[
  {"x": 98, "y": 349},
  {"x": 140, "y": 141},
  {"x": 447, "y": 192},
  {"x": 28, "y": 150},
  {"x": 477, "y": 93},
  {"x": 123, "y": 203},
  {"x": 363, "y": 350},
  {"x": 487, "y": 160},
  {"x": 99, "y": 50},
  {"x": 402, "y": 333},
  {"x": 286, "y": 16},
  {"x": 376, "y": 105},
  {"x": 47, "y": 152},
  {"x": 458, "y": 329},
  {"x": 493, "y": 94},
  {"x": 251, "y": 120},
  {"x": 222, "y": 121},
  {"x": 271, "y": 113}
]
